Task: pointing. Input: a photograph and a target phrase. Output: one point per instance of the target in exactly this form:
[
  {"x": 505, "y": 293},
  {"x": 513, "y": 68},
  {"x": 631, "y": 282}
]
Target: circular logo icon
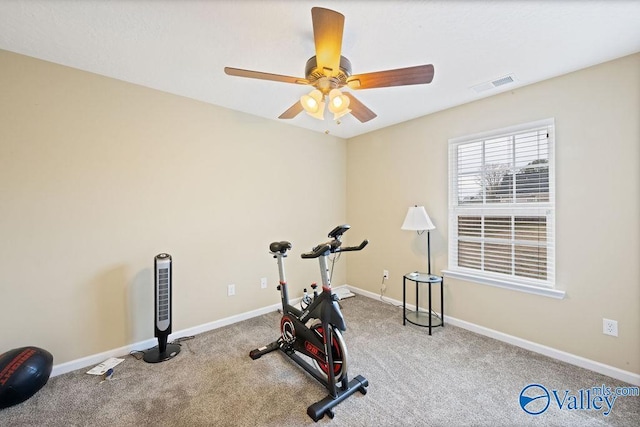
[{"x": 534, "y": 399}]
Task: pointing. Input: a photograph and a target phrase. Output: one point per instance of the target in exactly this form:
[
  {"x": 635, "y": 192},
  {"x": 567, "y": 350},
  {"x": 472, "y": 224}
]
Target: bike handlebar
[
  {"x": 317, "y": 251},
  {"x": 327, "y": 247},
  {"x": 361, "y": 246}
]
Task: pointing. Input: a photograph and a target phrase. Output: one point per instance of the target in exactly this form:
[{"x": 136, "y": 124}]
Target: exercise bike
[{"x": 315, "y": 330}]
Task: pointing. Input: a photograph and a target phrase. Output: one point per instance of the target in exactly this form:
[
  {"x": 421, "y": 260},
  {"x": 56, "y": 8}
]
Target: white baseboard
[
  {"x": 95, "y": 359},
  {"x": 592, "y": 365},
  {"x": 572, "y": 359}
]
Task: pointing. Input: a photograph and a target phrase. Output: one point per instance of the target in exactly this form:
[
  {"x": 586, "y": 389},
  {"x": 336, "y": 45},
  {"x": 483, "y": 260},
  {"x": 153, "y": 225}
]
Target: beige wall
[
  {"x": 98, "y": 176},
  {"x": 597, "y": 116}
]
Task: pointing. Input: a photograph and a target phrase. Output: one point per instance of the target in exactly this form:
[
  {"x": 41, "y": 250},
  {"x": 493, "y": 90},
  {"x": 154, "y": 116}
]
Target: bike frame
[
  {"x": 333, "y": 314},
  {"x": 297, "y": 337},
  {"x": 324, "y": 307}
]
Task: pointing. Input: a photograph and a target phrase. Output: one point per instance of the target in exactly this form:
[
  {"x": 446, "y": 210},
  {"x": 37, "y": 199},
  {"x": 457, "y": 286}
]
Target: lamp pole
[{"x": 429, "y": 252}]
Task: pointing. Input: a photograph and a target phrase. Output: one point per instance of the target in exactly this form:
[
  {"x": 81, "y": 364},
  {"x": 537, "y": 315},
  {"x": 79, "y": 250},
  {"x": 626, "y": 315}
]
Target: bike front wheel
[{"x": 338, "y": 351}]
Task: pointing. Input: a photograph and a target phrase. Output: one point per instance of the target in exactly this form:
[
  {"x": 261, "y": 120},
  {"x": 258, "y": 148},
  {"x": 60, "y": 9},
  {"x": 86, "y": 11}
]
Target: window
[{"x": 502, "y": 208}]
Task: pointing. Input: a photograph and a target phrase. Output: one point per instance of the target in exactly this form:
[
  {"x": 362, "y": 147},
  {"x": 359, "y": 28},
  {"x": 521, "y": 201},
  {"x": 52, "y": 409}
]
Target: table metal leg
[
  {"x": 404, "y": 300},
  {"x": 417, "y": 299},
  {"x": 442, "y": 302},
  {"x": 429, "y": 314}
]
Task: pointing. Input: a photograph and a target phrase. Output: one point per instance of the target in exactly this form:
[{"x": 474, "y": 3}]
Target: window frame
[{"x": 514, "y": 209}]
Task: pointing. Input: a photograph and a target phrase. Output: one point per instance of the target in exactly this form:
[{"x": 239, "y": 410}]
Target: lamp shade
[{"x": 417, "y": 220}]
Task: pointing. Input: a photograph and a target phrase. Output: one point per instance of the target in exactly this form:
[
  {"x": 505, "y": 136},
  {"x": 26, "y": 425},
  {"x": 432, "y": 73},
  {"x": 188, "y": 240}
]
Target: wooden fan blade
[
  {"x": 359, "y": 110},
  {"x": 264, "y": 76},
  {"x": 328, "y": 26},
  {"x": 419, "y": 74},
  {"x": 293, "y": 111}
]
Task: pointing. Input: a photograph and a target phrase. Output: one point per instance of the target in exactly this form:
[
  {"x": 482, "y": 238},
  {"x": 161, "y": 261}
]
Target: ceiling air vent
[{"x": 493, "y": 84}]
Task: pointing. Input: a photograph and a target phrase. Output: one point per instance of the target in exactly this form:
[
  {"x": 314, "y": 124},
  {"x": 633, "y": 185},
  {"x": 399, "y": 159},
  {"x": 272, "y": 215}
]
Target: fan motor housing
[{"x": 322, "y": 79}]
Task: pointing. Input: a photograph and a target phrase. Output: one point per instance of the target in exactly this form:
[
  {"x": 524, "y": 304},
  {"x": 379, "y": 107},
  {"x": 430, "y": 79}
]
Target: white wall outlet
[
  {"x": 385, "y": 274},
  {"x": 610, "y": 327},
  {"x": 263, "y": 283},
  {"x": 231, "y": 290}
]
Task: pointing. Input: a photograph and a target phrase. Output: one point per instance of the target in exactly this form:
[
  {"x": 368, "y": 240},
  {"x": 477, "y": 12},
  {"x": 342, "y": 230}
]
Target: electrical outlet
[
  {"x": 385, "y": 274},
  {"x": 263, "y": 283},
  {"x": 610, "y": 327},
  {"x": 231, "y": 290}
]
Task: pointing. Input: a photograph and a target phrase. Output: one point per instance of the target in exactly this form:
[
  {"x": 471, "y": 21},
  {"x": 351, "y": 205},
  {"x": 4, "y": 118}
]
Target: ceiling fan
[{"x": 328, "y": 71}]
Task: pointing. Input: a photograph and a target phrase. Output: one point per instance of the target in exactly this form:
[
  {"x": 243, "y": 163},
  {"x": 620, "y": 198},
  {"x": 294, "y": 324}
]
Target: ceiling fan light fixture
[
  {"x": 338, "y": 104},
  {"x": 319, "y": 113},
  {"x": 308, "y": 103},
  {"x": 311, "y": 102}
]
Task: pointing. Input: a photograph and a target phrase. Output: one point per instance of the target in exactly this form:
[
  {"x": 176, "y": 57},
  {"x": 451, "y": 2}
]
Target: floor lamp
[{"x": 418, "y": 220}]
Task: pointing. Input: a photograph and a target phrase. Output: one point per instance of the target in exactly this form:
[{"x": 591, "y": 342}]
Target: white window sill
[{"x": 536, "y": 290}]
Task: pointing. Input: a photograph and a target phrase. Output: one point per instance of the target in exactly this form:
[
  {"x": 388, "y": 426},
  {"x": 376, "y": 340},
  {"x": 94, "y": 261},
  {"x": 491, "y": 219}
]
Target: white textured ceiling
[{"x": 181, "y": 47}]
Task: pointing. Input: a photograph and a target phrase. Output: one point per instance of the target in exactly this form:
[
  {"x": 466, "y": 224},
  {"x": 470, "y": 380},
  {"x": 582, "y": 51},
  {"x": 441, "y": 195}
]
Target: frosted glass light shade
[
  {"x": 313, "y": 104},
  {"x": 338, "y": 104}
]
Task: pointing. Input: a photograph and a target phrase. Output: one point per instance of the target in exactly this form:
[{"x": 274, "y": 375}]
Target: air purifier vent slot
[{"x": 163, "y": 294}]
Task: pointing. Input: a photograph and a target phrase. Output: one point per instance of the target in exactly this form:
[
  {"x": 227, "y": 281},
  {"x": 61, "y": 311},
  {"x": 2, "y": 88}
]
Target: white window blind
[{"x": 502, "y": 205}]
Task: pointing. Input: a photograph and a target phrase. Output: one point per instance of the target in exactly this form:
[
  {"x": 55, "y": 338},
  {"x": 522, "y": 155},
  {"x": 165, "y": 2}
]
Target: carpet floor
[{"x": 452, "y": 378}]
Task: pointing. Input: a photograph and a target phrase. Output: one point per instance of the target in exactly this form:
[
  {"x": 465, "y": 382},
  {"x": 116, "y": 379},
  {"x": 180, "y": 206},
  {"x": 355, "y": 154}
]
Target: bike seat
[{"x": 281, "y": 247}]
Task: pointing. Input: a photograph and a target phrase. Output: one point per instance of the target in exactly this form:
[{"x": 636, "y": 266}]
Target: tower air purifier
[{"x": 162, "y": 314}]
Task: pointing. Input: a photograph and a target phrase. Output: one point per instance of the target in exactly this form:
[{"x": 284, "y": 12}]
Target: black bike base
[
  {"x": 155, "y": 355},
  {"x": 326, "y": 405},
  {"x": 258, "y": 352}
]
